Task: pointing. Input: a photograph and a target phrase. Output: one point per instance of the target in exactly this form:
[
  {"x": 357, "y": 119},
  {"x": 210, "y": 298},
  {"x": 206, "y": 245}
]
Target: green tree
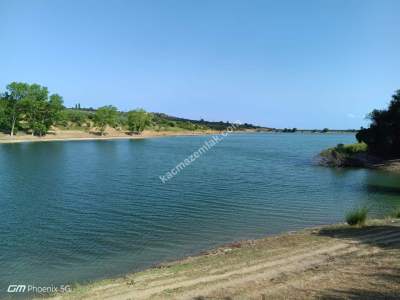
[
  {"x": 55, "y": 106},
  {"x": 29, "y": 107},
  {"x": 138, "y": 119},
  {"x": 16, "y": 92},
  {"x": 53, "y": 110},
  {"x": 3, "y": 113},
  {"x": 106, "y": 115},
  {"x": 68, "y": 116},
  {"x": 39, "y": 111},
  {"x": 35, "y": 109},
  {"x": 383, "y": 134}
]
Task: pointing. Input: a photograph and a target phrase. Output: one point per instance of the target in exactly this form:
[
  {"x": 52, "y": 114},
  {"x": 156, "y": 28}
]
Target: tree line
[
  {"x": 28, "y": 107},
  {"x": 189, "y": 124},
  {"x": 31, "y": 109}
]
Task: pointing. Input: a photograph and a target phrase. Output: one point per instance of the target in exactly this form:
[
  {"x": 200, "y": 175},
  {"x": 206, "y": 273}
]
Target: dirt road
[{"x": 336, "y": 262}]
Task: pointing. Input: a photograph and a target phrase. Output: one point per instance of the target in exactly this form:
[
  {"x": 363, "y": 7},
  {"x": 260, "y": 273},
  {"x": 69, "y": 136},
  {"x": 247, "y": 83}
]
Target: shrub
[
  {"x": 352, "y": 148},
  {"x": 396, "y": 213},
  {"x": 357, "y": 216},
  {"x": 343, "y": 155}
]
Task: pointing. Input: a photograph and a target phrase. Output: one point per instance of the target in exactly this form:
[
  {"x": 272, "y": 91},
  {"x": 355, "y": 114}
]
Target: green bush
[
  {"x": 352, "y": 148},
  {"x": 357, "y": 216},
  {"x": 343, "y": 151},
  {"x": 383, "y": 134},
  {"x": 396, "y": 213}
]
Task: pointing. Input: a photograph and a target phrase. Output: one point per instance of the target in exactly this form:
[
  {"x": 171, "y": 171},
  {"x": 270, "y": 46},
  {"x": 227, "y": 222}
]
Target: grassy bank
[
  {"x": 344, "y": 155},
  {"x": 352, "y": 155},
  {"x": 331, "y": 262},
  {"x": 356, "y": 155}
]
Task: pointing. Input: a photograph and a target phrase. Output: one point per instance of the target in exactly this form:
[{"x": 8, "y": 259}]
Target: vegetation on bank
[
  {"x": 349, "y": 149},
  {"x": 289, "y": 130},
  {"x": 166, "y": 121},
  {"x": 396, "y": 213},
  {"x": 30, "y": 108},
  {"x": 352, "y": 148},
  {"x": 324, "y": 130},
  {"x": 377, "y": 143},
  {"x": 344, "y": 155},
  {"x": 357, "y": 216},
  {"x": 383, "y": 135}
]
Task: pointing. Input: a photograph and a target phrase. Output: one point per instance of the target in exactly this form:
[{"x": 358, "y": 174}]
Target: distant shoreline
[
  {"x": 75, "y": 135},
  {"x": 79, "y": 135}
]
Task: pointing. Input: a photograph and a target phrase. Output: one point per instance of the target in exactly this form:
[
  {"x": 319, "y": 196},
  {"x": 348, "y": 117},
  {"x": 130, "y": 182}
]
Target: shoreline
[
  {"x": 331, "y": 158},
  {"x": 61, "y": 136},
  {"x": 80, "y": 135},
  {"x": 275, "y": 266}
]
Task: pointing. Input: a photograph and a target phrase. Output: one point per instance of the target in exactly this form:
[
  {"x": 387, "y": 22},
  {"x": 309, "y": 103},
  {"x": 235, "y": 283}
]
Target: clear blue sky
[{"x": 305, "y": 64}]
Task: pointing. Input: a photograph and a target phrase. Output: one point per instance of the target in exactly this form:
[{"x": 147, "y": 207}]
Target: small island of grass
[{"x": 355, "y": 155}]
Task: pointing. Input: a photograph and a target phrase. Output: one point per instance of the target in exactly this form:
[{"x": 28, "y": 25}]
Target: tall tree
[
  {"x": 3, "y": 113},
  {"x": 383, "y": 135},
  {"x": 35, "y": 109},
  {"x": 106, "y": 115},
  {"x": 138, "y": 120},
  {"x": 16, "y": 92},
  {"x": 54, "y": 109},
  {"x": 73, "y": 116},
  {"x": 29, "y": 106},
  {"x": 39, "y": 110}
]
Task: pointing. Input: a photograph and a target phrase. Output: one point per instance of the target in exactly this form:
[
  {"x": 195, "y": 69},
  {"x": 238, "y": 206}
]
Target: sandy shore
[
  {"x": 77, "y": 135},
  {"x": 332, "y": 262}
]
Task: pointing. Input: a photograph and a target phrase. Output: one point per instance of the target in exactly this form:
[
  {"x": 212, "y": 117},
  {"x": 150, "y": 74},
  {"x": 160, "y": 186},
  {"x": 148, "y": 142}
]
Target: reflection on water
[
  {"x": 383, "y": 182},
  {"x": 77, "y": 211}
]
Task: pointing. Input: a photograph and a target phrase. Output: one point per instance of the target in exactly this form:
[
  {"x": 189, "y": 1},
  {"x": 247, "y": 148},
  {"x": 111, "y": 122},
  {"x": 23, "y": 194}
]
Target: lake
[{"x": 80, "y": 211}]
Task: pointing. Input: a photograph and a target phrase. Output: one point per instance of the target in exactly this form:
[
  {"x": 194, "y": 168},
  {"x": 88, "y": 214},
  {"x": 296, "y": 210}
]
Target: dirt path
[{"x": 329, "y": 263}]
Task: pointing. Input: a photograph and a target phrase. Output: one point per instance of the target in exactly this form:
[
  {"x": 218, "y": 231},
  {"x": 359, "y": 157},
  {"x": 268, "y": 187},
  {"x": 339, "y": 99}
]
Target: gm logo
[{"x": 16, "y": 288}]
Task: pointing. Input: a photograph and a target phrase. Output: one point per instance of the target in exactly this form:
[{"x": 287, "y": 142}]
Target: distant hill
[{"x": 162, "y": 118}]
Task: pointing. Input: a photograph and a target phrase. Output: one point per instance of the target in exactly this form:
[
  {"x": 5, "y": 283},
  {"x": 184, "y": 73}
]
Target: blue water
[{"x": 79, "y": 211}]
